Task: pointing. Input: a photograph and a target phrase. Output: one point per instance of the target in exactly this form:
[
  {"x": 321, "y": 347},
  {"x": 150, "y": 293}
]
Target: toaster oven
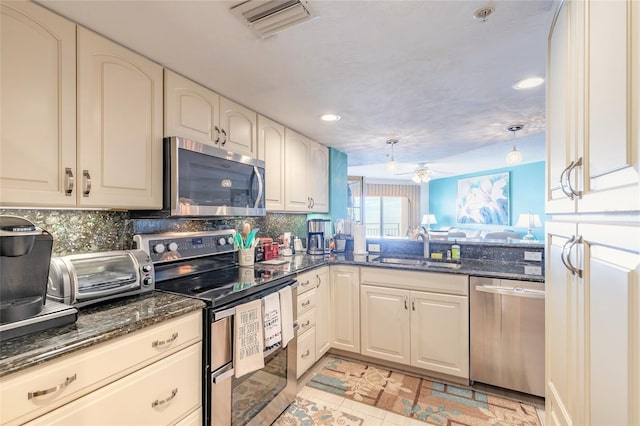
[{"x": 84, "y": 279}]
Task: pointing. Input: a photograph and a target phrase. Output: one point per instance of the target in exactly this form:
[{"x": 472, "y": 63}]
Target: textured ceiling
[{"x": 423, "y": 72}]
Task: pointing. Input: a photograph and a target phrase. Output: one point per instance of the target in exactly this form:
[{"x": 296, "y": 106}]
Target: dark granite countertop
[
  {"x": 476, "y": 267},
  {"x": 95, "y": 324}
]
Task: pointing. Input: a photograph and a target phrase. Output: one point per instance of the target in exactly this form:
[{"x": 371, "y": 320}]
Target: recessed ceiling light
[
  {"x": 528, "y": 83},
  {"x": 330, "y": 117}
]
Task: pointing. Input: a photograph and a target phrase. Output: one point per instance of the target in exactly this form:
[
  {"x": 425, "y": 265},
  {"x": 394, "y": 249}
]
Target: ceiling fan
[{"x": 422, "y": 174}]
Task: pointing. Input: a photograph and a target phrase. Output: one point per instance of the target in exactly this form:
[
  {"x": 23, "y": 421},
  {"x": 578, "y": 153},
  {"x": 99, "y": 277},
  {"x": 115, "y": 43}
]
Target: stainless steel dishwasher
[{"x": 507, "y": 334}]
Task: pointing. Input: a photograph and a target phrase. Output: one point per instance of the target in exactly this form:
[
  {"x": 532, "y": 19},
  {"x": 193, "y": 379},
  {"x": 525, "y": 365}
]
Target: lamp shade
[
  {"x": 529, "y": 220},
  {"x": 429, "y": 219}
]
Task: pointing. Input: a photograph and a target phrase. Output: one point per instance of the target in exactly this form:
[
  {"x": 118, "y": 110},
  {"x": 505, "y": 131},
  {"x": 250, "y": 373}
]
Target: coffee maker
[
  {"x": 25, "y": 254},
  {"x": 318, "y": 236}
]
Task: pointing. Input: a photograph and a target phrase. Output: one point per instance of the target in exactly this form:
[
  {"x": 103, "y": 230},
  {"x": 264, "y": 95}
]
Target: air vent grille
[{"x": 267, "y": 17}]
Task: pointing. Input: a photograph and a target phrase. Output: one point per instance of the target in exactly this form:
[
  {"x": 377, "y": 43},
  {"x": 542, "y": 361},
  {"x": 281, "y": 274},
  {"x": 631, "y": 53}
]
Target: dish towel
[
  {"x": 286, "y": 314},
  {"x": 272, "y": 331},
  {"x": 249, "y": 343}
]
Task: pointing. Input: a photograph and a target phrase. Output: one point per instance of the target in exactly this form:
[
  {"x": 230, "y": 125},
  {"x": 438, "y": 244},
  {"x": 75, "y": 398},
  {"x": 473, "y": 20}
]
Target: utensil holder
[{"x": 246, "y": 257}]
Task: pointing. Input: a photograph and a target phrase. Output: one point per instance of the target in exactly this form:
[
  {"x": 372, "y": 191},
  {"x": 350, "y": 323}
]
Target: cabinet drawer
[
  {"x": 67, "y": 378},
  {"x": 306, "y": 301},
  {"x": 306, "y": 281},
  {"x": 306, "y": 351},
  {"x": 306, "y": 321},
  {"x": 193, "y": 419},
  {"x": 159, "y": 394},
  {"x": 412, "y": 280}
]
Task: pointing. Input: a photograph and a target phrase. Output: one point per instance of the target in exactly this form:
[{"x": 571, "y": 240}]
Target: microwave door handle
[{"x": 260, "y": 187}]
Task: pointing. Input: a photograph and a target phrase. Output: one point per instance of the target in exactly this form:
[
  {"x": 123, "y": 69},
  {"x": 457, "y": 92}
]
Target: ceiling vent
[{"x": 267, "y": 17}]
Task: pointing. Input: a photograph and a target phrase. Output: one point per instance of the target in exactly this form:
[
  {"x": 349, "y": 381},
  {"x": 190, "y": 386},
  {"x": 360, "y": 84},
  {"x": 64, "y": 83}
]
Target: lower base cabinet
[{"x": 159, "y": 394}]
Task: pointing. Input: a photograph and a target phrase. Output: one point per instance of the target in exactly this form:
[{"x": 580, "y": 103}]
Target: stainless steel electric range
[{"x": 203, "y": 265}]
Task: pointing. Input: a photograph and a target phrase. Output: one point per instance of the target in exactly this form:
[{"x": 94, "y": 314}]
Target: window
[{"x": 386, "y": 216}]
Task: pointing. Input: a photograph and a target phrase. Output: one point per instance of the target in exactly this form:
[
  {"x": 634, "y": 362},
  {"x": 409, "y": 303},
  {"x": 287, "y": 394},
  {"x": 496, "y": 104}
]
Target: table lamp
[{"x": 529, "y": 220}]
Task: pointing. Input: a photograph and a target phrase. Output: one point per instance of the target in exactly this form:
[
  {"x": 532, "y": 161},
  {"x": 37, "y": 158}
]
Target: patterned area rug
[
  {"x": 426, "y": 400},
  {"x": 307, "y": 413}
]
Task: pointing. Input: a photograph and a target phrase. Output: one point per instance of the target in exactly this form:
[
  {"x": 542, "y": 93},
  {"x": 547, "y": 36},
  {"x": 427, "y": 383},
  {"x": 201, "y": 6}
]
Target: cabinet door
[
  {"x": 38, "y": 112},
  {"x": 306, "y": 352},
  {"x": 440, "y": 333},
  {"x": 238, "y": 128},
  {"x": 560, "y": 130},
  {"x": 271, "y": 151},
  {"x": 611, "y": 169},
  {"x": 190, "y": 110},
  {"x": 384, "y": 323},
  {"x": 345, "y": 308},
  {"x": 296, "y": 153},
  {"x": 611, "y": 272},
  {"x": 563, "y": 299},
  {"x": 323, "y": 312},
  {"x": 318, "y": 177},
  {"x": 119, "y": 126}
]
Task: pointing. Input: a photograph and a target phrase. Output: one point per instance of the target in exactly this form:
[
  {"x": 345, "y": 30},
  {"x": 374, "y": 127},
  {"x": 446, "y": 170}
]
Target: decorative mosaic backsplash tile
[{"x": 84, "y": 231}]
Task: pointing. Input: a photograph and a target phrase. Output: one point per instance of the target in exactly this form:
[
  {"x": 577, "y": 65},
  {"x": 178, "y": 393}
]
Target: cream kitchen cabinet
[
  {"x": 306, "y": 168},
  {"x": 271, "y": 151},
  {"x": 195, "y": 112},
  {"x": 592, "y": 329},
  {"x": 90, "y": 141},
  {"x": 38, "y": 132},
  {"x": 424, "y": 329},
  {"x": 593, "y": 108},
  {"x": 345, "y": 307},
  {"x": 119, "y": 126},
  {"x": 134, "y": 365},
  {"x": 313, "y": 317}
]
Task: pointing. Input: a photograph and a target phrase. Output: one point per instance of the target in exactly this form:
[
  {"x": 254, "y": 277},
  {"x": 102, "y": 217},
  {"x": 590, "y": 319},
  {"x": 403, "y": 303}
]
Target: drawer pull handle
[
  {"x": 306, "y": 324},
  {"x": 306, "y": 283},
  {"x": 158, "y": 343},
  {"x": 69, "y": 181},
  {"x": 304, "y": 355},
  {"x": 168, "y": 399},
  {"x": 86, "y": 183},
  {"x": 307, "y": 303},
  {"x": 61, "y": 386}
]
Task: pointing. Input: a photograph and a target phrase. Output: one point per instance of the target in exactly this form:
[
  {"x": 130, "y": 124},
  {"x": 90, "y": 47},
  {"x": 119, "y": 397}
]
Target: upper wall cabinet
[
  {"x": 306, "y": 174},
  {"x": 38, "y": 113},
  {"x": 197, "y": 113},
  {"x": 115, "y": 161},
  {"x": 119, "y": 125},
  {"x": 593, "y": 108},
  {"x": 271, "y": 151}
]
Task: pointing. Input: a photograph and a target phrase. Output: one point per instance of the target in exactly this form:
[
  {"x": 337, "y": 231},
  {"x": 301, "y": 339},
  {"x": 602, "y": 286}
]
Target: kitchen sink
[{"x": 414, "y": 261}]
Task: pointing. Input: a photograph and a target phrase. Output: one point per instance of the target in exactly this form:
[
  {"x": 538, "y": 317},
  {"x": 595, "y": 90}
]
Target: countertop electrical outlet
[{"x": 536, "y": 256}]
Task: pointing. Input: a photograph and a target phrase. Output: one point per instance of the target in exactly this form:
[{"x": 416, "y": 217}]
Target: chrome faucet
[{"x": 426, "y": 250}]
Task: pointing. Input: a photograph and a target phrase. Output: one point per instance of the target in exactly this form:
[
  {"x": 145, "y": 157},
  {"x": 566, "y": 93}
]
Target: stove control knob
[
  {"x": 158, "y": 248},
  {"x": 146, "y": 268},
  {"x": 173, "y": 246},
  {"x": 229, "y": 239},
  {"x": 147, "y": 281},
  {"x": 222, "y": 241}
]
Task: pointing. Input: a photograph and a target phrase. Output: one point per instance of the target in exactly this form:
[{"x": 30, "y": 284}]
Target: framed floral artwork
[{"x": 484, "y": 199}]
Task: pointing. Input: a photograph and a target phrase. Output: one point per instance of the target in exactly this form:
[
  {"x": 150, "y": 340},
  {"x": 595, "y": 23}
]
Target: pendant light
[
  {"x": 392, "y": 166},
  {"x": 514, "y": 157}
]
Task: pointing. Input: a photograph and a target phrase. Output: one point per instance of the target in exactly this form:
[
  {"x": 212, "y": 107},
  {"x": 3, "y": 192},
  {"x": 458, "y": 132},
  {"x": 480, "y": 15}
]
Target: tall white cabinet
[
  {"x": 593, "y": 242},
  {"x": 271, "y": 151}
]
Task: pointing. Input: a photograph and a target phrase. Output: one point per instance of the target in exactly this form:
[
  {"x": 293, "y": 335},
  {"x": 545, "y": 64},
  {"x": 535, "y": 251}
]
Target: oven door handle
[{"x": 224, "y": 375}]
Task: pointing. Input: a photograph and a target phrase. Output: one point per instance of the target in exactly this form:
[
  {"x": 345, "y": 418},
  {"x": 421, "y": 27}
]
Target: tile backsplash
[{"x": 86, "y": 231}]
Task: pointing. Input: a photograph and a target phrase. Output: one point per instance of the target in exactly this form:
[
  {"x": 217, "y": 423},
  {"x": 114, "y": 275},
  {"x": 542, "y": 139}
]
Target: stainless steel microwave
[{"x": 201, "y": 180}]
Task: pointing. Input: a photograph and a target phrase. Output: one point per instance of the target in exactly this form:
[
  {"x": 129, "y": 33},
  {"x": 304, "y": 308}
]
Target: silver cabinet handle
[
  {"x": 573, "y": 269},
  {"x": 572, "y": 166},
  {"x": 313, "y": 203},
  {"x": 86, "y": 183},
  {"x": 224, "y": 139},
  {"x": 413, "y": 303},
  {"x": 260, "y": 187},
  {"x": 307, "y": 303},
  {"x": 216, "y": 132},
  {"x": 159, "y": 343},
  {"x": 306, "y": 324},
  {"x": 306, "y": 283},
  {"x": 515, "y": 291},
  {"x": 562, "y": 185},
  {"x": 61, "y": 386},
  {"x": 306, "y": 354},
  {"x": 168, "y": 399},
  {"x": 69, "y": 181},
  {"x": 319, "y": 281},
  {"x": 405, "y": 303},
  {"x": 564, "y": 250},
  {"x": 308, "y": 202}
]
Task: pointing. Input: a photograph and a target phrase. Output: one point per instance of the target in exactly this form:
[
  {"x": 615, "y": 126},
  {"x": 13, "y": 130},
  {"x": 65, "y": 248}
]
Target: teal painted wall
[
  {"x": 337, "y": 187},
  {"x": 526, "y": 194}
]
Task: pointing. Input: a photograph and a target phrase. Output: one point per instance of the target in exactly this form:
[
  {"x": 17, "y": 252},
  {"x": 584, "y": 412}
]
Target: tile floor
[{"x": 374, "y": 416}]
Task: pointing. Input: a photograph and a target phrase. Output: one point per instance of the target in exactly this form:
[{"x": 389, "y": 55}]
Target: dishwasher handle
[{"x": 514, "y": 291}]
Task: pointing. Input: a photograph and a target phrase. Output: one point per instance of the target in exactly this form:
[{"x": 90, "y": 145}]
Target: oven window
[{"x": 254, "y": 391}]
